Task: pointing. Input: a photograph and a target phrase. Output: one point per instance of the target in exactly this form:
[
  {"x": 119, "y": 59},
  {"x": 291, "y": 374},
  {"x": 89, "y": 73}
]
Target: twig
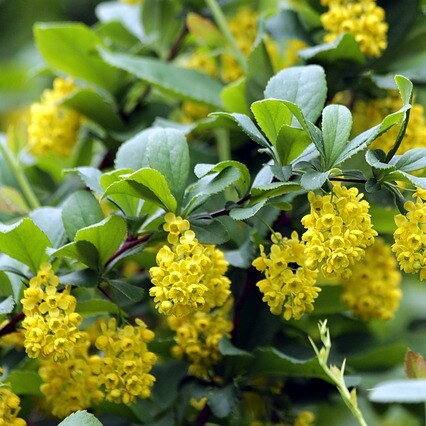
[
  {"x": 10, "y": 327},
  {"x": 225, "y": 212},
  {"x": 203, "y": 416},
  {"x": 349, "y": 180},
  {"x": 127, "y": 246}
]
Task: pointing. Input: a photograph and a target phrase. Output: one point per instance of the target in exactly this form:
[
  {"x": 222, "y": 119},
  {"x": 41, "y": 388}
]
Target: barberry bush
[{"x": 213, "y": 212}]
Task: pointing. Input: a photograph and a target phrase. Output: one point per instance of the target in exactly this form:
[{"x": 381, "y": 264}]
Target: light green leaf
[
  {"x": 181, "y": 82},
  {"x": 81, "y": 209},
  {"x": 336, "y": 128},
  {"x": 11, "y": 201},
  {"x": 94, "y": 307},
  {"x": 26, "y": 242},
  {"x": 234, "y": 97},
  {"x": 400, "y": 391},
  {"x": 71, "y": 48},
  {"x": 25, "y": 382},
  {"x": 304, "y": 86},
  {"x": 271, "y": 115},
  {"x": 291, "y": 142},
  {"x": 81, "y": 418},
  {"x": 148, "y": 184}
]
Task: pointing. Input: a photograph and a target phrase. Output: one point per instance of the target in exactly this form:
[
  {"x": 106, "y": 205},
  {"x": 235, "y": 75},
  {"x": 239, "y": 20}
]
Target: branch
[
  {"x": 127, "y": 246},
  {"x": 203, "y": 416},
  {"x": 349, "y": 180},
  {"x": 10, "y": 327},
  {"x": 225, "y": 212}
]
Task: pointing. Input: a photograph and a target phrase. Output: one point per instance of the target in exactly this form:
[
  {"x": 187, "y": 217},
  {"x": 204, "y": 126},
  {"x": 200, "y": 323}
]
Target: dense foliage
[{"x": 213, "y": 212}]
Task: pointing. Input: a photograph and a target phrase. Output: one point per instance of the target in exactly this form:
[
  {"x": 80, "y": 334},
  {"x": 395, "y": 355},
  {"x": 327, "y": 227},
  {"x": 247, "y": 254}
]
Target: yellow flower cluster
[
  {"x": 306, "y": 418},
  {"x": 203, "y": 61},
  {"x": 361, "y": 18},
  {"x": 410, "y": 236},
  {"x": 373, "y": 291},
  {"x": 123, "y": 370},
  {"x": 289, "y": 284},
  {"x": 132, "y": 1},
  {"x": 53, "y": 128},
  {"x": 338, "y": 230},
  {"x": 70, "y": 385},
  {"x": 9, "y": 408},
  {"x": 51, "y": 323},
  {"x": 367, "y": 114},
  {"x": 197, "y": 338},
  {"x": 189, "y": 276}
]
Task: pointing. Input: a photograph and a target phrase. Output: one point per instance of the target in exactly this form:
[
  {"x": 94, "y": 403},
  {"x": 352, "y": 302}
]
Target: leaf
[
  {"x": 49, "y": 220},
  {"x": 243, "y": 213},
  {"x": 341, "y": 51},
  {"x": 181, "y": 82},
  {"x": 25, "y": 382},
  {"x": 26, "y": 242},
  {"x": 81, "y": 278},
  {"x": 148, "y": 184},
  {"x": 415, "y": 365},
  {"x": 204, "y": 30},
  {"x": 291, "y": 142},
  {"x": 11, "y": 201},
  {"x": 233, "y": 97},
  {"x": 81, "y": 418},
  {"x": 213, "y": 232},
  {"x": 272, "y": 190},
  {"x": 377, "y": 159},
  {"x": 407, "y": 178},
  {"x": 304, "y": 86},
  {"x": 271, "y": 115},
  {"x": 89, "y": 175},
  {"x": 226, "y": 348},
  {"x": 222, "y": 400},
  {"x": 412, "y": 160},
  {"x": 7, "y": 305},
  {"x": 94, "y": 307},
  {"x": 399, "y": 391},
  {"x": 81, "y": 209},
  {"x": 131, "y": 291},
  {"x": 167, "y": 151},
  {"x": 336, "y": 128},
  {"x": 77, "y": 45},
  {"x": 314, "y": 179},
  {"x": 97, "y": 107}
]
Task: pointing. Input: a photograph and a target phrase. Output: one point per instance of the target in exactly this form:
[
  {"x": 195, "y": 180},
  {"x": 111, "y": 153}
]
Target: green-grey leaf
[
  {"x": 400, "y": 391},
  {"x": 412, "y": 160},
  {"x": 7, "y": 305},
  {"x": 243, "y": 213},
  {"x": 49, "y": 220},
  {"x": 314, "y": 179},
  {"x": 131, "y": 291},
  {"x": 81, "y": 418}
]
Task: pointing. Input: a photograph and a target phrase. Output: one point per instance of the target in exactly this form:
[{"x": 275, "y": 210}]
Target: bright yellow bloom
[
  {"x": 198, "y": 336},
  {"x": 202, "y": 61},
  {"x": 123, "y": 370},
  {"x": 198, "y": 404},
  {"x": 16, "y": 338},
  {"x": 306, "y": 418},
  {"x": 192, "y": 111},
  {"x": 51, "y": 323},
  {"x": 361, "y": 18},
  {"x": 132, "y": 1},
  {"x": 53, "y": 128},
  {"x": 373, "y": 291},
  {"x": 289, "y": 284},
  {"x": 189, "y": 276},
  {"x": 410, "y": 236},
  {"x": 9, "y": 408},
  {"x": 339, "y": 230},
  {"x": 367, "y": 114},
  {"x": 70, "y": 385}
]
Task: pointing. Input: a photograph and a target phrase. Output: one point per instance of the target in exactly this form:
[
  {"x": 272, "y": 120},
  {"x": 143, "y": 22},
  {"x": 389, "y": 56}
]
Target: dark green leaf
[{"x": 131, "y": 291}]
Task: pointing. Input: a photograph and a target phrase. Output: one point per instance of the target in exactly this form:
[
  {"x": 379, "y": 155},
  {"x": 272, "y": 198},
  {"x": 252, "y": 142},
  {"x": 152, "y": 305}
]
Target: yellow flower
[
  {"x": 192, "y": 111},
  {"x": 123, "y": 371},
  {"x": 9, "y": 408},
  {"x": 70, "y": 385},
  {"x": 361, "y": 18},
  {"x": 291, "y": 56},
  {"x": 189, "y": 276},
  {"x": 339, "y": 230},
  {"x": 306, "y": 418},
  {"x": 202, "y": 61},
  {"x": 198, "y": 404},
  {"x": 132, "y": 1},
  {"x": 198, "y": 336},
  {"x": 410, "y": 236},
  {"x": 373, "y": 289},
  {"x": 51, "y": 323},
  {"x": 289, "y": 284},
  {"x": 53, "y": 128}
]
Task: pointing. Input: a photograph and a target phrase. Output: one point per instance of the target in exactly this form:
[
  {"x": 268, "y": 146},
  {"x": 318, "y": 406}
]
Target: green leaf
[
  {"x": 212, "y": 232},
  {"x": 291, "y": 142},
  {"x": 377, "y": 159},
  {"x": 81, "y": 418},
  {"x": 131, "y": 291},
  {"x": 81, "y": 278},
  {"x": 414, "y": 159},
  {"x": 336, "y": 128},
  {"x": 161, "y": 24},
  {"x": 167, "y": 151},
  {"x": 7, "y": 305},
  {"x": 226, "y": 348},
  {"x": 26, "y": 242},
  {"x": 148, "y": 184},
  {"x": 71, "y": 48},
  {"x": 97, "y": 107},
  {"x": 11, "y": 201},
  {"x": 89, "y": 175},
  {"x": 407, "y": 178},
  {"x": 181, "y": 82},
  {"x": 272, "y": 190},
  {"x": 222, "y": 400},
  {"x": 234, "y": 97},
  {"x": 24, "y": 382},
  {"x": 343, "y": 50},
  {"x": 415, "y": 365},
  {"x": 81, "y": 209},
  {"x": 49, "y": 220},
  {"x": 400, "y": 391},
  {"x": 304, "y": 86},
  {"x": 94, "y": 307},
  {"x": 271, "y": 115},
  {"x": 313, "y": 179},
  {"x": 132, "y": 153},
  {"x": 204, "y": 30},
  {"x": 243, "y": 213}
]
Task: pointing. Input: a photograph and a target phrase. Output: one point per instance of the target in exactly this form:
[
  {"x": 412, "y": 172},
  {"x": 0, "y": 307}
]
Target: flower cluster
[
  {"x": 361, "y": 18},
  {"x": 289, "y": 284},
  {"x": 51, "y": 323},
  {"x": 373, "y": 289},
  {"x": 338, "y": 230},
  {"x": 53, "y": 128},
  {"x": 305, "y": 418},
  {"x": 197, "y": 338},
  {"x": 70, "y": 385},
  {"x": 410, "y": 236},
  {"x": 123, "y": 370},
  {"x": 189, "y": 276},
  {"x": 9, "y": 408}
]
